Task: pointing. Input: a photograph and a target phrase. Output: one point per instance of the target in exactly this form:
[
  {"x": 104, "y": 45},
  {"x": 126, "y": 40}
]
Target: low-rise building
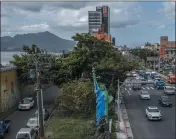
[{"x": 9, "y": 95}]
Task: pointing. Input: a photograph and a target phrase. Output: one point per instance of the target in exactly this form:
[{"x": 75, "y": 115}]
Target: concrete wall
[{"x": 10, "y": 93}]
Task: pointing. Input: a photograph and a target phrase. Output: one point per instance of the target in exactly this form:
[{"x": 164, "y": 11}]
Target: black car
[
  {"x": 136, "y": 87},
  {"x": 164, "y": 101}
]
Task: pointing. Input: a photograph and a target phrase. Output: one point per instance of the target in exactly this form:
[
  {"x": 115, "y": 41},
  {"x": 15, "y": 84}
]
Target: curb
[
  {"x": 126, "y": 123},
  {"x": 126, "y": 131}
]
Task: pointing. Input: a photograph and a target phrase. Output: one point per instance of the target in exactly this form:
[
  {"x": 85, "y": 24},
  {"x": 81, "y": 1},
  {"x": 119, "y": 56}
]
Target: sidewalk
[{"x": 123, "y": 125}]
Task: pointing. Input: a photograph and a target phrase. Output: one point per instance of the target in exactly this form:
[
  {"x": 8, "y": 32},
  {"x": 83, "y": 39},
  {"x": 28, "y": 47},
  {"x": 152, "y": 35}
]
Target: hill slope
[{"x": 44, "y": 40}]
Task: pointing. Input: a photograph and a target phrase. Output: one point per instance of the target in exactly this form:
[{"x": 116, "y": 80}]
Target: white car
[
  {"x": 144, "y": 95},
  {"x": 33, "y": 123},
  {"x": 169, "y": 90},
  {"x": 153, "y": 113},
  {"x": 135, "y": 75},
  {"x": 26, "y": 133},
  {"x": 26, "y": 104}
]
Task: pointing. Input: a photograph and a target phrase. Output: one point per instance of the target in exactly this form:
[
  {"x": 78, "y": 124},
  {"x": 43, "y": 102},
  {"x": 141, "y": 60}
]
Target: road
[
  {"x": 141, "y": 127},
  {"x": 20, "y": 118}
]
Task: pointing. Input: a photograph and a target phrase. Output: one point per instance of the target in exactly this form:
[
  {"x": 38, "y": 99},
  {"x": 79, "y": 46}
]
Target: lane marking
[
  {"x": 151, "y": 87},
  {"x": 129, "y": 88},
  {"x": 129, "y": 93},
  {"x": 148, "y": 88},
  {"x": 143, "y": 88},
  {"x": 125, "y": 89}
]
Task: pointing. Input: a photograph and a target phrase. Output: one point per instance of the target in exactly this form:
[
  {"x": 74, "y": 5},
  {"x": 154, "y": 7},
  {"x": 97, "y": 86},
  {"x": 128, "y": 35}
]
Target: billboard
[
  {"x": 162, "y": 51},
  {"x": 106, "y": 37}
]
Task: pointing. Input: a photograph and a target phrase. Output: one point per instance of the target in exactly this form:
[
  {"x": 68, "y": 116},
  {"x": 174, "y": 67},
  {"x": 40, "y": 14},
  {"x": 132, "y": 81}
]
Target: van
[{"x": 26, "y": 133}]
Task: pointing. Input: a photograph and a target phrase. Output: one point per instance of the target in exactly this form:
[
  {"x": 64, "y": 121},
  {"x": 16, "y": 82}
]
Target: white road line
[
  {"x": 129, "y": 93},
  {"x": 125, "y": 89},
  {"x": 129, "y": 88},
  {"x": 143, "y": 88},
  {"x": 151, "y": 87},
  {"x": 148, "y": 88}
]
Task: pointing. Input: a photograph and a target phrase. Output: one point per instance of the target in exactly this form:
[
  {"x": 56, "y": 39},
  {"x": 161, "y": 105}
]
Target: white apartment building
[{"x": 94, "y": 21}]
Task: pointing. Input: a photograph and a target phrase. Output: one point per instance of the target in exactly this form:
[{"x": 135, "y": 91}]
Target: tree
[
  {"x": 74, "y": 72},
  {"x": 78, "y": 98}
]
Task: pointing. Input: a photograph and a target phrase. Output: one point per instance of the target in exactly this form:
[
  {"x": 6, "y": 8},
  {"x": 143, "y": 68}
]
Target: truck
[
  {"x": 171, "y": 79},
  {"x": 159, "y": 84},
  {"x": 4, "y": 127}
]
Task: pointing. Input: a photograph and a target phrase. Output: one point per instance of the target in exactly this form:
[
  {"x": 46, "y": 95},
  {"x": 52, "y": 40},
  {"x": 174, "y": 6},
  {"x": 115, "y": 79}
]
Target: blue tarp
[{"x": 100, "y": 103}]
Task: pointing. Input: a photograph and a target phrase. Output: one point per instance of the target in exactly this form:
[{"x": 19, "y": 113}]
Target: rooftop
[
  {"x": 8, "y": 68},
  {"x": 25, "y": 130}
]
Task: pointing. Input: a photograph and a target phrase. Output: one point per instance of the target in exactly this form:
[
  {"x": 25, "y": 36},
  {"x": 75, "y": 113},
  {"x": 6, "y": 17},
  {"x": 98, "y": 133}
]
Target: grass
[{"x": 70, "y": 128}]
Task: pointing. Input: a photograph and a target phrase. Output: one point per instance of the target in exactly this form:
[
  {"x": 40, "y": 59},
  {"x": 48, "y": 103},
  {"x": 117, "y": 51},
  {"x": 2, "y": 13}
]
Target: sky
[{"x": 132, "y": 23}]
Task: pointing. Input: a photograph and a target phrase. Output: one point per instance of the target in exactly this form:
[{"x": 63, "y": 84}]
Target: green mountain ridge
[{"x": 45, "y": 40}]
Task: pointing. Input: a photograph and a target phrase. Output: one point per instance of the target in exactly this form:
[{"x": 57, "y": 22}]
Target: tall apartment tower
[
  {"x": 95, "y": 21},
  {"x": 105, "y": 10}
]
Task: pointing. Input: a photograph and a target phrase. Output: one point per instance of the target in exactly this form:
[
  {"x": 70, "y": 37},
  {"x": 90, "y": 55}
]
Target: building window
[{"x": 171, "y": 52}]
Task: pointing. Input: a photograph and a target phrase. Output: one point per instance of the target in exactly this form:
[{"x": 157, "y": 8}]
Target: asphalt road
[
  {"x": 141, "y": 127},
  {"x": 20, "y": 118}
]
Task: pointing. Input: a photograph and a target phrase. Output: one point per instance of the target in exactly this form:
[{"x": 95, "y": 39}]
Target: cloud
[
  {"x": 169, "y": 10},
  {"x": 162, "y": 26},
  {"x": 60, "y": 16}
]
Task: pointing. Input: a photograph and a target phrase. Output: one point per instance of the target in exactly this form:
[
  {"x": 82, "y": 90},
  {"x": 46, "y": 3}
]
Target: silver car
[
  {"x": 144, "y": 95},
  {"x": 169, "y": 90}
]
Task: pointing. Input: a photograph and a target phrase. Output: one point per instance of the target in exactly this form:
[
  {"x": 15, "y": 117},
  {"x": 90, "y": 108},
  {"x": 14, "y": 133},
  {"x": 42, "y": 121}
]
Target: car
[
  {"x": 26, "y": 104},
  {"x": 153, "y": 113},
  {"x": 169, "y": 90},
  {"x": 26, "y": 133},
  {"x": 45, "y": 113},
  {"x": 136, "y": 87},
  {"x": 144, "y": 95},
  {"x": 4, "y": 127},
  {"x": 135, "y": 75},
  {"x": 150, "y": 81},
  {"x": 164, "y": 101},
  {"x": 33, "y": 123}
]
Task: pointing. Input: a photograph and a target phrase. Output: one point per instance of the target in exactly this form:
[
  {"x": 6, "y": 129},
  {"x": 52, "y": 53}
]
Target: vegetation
[
  {"x": 74, "y": 75},
  {"x": 144, "y": 53},
  {"x": 70, "y": 128}
]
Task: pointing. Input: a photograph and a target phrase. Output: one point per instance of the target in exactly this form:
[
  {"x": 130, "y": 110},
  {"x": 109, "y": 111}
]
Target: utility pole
[
  {"x": 159, "y": 65},
  {"x": 118, "y": 97},
  {"x": 39, "y": 102}
]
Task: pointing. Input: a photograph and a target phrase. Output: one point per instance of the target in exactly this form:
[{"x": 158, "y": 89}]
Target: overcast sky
[{"x": 132, "y": 23}]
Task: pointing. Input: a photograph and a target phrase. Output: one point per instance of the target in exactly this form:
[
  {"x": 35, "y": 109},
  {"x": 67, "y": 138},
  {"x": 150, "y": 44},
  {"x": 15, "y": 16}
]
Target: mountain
[{"x": 44, "y": 40}]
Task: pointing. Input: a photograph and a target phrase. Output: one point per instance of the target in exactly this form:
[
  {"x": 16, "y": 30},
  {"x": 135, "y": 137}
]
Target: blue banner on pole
[{"x": 100, "y": 103}]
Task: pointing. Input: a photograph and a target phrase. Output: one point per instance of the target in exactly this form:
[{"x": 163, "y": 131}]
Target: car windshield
[
  {"x": 144, "y": 93},
  {"x": 23, "y": 136},
  {"x": 169, "y": 88},
  {"x": 25, "y": 101},
  {"x": 153, "y": 110}
]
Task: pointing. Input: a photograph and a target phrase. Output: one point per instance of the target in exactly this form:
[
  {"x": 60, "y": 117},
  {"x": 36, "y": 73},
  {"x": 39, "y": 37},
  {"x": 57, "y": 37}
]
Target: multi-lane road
[
  {"x": 20, "y": 118},
  {"x": 142, "y": 128}
]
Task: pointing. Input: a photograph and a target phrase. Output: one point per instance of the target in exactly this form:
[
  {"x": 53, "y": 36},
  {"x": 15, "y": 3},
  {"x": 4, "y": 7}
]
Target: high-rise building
[
  {"x": 106, "y": 19},
  {"x": 105, "y": 10},
  {"x": 95, "y": 21}
]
